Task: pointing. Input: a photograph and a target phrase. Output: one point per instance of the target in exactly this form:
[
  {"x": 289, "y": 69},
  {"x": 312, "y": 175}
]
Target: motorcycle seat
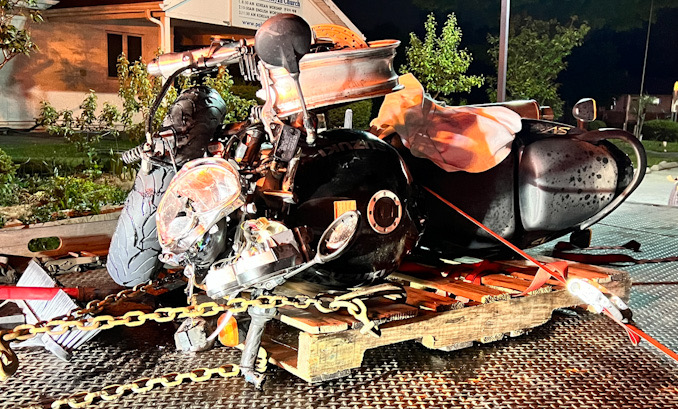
[{"x": 526, "y": 108}]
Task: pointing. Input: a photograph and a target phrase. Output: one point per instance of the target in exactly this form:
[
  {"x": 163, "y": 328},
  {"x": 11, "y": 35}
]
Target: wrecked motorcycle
[{"x": 274, "y": 198}]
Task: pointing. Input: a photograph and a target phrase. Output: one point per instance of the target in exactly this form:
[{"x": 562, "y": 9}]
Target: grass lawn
[
  {"x": 654, "y": 150},
  {"x": 52, "y": 178},
  {"x": 42, "y": 153}
]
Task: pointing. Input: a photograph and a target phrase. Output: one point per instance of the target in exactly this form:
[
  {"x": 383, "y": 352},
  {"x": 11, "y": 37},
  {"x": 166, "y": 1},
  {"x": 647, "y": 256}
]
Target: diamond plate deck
[{"x": 575, "y": 361}]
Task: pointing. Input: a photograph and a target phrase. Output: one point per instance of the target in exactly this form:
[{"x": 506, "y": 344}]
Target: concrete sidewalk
[{"x": 655, "y": 188}]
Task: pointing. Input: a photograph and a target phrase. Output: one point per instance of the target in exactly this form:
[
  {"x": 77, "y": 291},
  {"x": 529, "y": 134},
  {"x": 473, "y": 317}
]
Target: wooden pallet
[{"x": 445, "y": 313}]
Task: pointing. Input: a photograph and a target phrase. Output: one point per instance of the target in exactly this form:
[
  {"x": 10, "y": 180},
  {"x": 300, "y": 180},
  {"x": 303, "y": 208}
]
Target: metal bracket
[{"x": 70, "y": 264}]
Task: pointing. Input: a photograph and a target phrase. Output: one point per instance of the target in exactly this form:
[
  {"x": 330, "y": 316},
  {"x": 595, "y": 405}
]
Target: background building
[
  {"x": 624, "y": 111},
  {"x": 81, "y": 40}
]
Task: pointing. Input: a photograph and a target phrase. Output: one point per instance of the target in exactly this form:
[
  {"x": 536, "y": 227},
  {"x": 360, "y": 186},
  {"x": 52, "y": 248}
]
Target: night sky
[{"x": 608, "y": 64}]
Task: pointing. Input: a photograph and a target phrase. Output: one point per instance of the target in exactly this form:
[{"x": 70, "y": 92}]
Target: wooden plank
[
  {"x": 452, "y": 286},
  {"x": 518, "y": 285},
  {"x": 90, "y": 233},
  {"x": 382, "y": 310},
  {"x": 427, "y": 300},
  {"x": 314, "y": 322},
  {"x": 280, "y": 354},
  {"x": 476, "y": 292},
  {"x": 577, "y": 270}
]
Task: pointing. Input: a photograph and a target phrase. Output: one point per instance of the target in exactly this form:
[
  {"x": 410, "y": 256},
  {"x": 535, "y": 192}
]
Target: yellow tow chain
[
  {"x": 9, "y": 362},
  {"x": 143, "y": 385}
]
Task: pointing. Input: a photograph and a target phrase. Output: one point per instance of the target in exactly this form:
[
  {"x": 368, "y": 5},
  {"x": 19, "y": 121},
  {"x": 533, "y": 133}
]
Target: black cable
[{"x": 159, "y": 98}]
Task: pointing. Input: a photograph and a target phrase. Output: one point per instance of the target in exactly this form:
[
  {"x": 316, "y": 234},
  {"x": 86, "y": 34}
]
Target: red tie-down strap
[
  {"x": 558, "y": 270},
  {"x": 474, "y": 273},
  {"x": 563, "y": 249}
]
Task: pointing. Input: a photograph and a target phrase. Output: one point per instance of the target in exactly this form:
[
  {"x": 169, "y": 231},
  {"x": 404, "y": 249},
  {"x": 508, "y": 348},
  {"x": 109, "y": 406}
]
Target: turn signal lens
[{"x": 229, "y": 335}]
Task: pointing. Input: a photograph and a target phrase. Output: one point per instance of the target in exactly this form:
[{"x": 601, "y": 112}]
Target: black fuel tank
[{"x": 348, "y": 169}]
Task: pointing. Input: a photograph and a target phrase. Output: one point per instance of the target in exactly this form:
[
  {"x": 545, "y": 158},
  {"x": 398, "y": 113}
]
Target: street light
[
  {"x": 503, "y": 50},
  {"x": 674, "y": 102}
]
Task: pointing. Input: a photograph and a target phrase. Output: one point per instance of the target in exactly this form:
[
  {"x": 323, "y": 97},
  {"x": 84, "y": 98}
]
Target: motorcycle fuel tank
[
  {"x": 352, "y": 170},
  {"x": 552, "y": 182}
]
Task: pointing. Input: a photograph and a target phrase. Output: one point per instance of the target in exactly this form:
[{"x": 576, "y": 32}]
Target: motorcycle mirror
[
  {"x": 585, "y": 110},
  {"x": 337, "y": 236},
  {"x": 282, "y": 40}
]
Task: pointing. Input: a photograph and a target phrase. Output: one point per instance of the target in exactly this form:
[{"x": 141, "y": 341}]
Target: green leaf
[{"x": 437, "y": 61}]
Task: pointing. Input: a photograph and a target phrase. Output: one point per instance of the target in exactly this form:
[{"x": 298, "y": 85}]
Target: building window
[
  {"x": 119, "y": 43},
  {"x": 133, "y": 48}
]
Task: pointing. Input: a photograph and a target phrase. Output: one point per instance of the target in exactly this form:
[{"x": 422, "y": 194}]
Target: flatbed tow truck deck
[{"x": 576, "y": 360}]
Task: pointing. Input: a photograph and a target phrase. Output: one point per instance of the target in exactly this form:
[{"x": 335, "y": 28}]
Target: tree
[
  {"x": 138, "y": 91},
  {"x": 643, "y": 103},
  {"x": 437, "y": 62},
  {"x": 536, "y": 55},
  {"x": 618, "y": 15},
  {"x": 15, "y": 37}
]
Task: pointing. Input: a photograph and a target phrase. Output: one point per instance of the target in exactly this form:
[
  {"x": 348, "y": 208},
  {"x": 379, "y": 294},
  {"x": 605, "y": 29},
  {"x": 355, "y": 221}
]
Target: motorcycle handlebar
[{"x": 223, "y": 54}]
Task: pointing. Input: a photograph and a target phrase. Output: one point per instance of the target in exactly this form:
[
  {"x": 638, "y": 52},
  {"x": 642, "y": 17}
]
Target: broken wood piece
[
  {"x": 453, "y": 286},
  {"x": 430, "y": 301}
]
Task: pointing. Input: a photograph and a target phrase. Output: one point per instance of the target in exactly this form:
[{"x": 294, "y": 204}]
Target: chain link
[
  {"x": 9, "y": 362},
  {"x": 96, "y": 306},
  {"x": 143, "y": 385}
]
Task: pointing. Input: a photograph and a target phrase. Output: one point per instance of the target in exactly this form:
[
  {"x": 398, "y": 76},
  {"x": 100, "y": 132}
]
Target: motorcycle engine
[{"x": 268, "y": 250}]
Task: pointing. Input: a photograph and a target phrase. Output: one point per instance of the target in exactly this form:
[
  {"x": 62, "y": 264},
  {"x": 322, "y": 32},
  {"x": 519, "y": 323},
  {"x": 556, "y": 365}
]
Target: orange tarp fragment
[{"x": 472, "y": 139}]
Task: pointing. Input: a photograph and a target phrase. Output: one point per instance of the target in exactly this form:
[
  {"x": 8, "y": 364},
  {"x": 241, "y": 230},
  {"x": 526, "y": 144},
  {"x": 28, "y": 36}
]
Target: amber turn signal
[{"x": 228, "y": 336}]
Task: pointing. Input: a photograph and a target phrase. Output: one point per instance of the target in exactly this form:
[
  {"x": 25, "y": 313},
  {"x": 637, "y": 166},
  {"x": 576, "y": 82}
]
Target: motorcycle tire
[{"x": 133, "y": 253}]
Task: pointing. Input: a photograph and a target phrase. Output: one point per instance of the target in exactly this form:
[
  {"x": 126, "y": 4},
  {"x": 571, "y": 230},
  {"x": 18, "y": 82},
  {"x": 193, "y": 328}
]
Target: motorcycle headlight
[{"x": 202, "y": 193}]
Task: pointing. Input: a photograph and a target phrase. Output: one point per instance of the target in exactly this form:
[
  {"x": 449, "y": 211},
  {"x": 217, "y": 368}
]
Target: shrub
[
  {"x": 57, "y": 193},
  {"x": 7, "y": 176},
  {"x": 661, "y": 130},
  {"x": 362, "y": 113},
  {"x": 597, "y": 124},
  {"x": 84, "y": 131}
]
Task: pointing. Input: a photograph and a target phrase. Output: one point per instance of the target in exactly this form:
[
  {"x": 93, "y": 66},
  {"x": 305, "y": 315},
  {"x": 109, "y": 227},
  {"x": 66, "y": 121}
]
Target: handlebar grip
[{"x": 133, "y": 155}]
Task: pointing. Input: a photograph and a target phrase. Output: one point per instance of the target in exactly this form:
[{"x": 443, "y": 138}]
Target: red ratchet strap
[
  {"x": 558, "y": 270},
  {"x": 477, "y": 271},
  {"x": 561, "y": 250},
  {"x": 10, "y": 292}
]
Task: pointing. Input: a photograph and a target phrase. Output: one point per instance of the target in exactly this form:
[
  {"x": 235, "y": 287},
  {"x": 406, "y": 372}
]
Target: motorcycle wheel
[{"x": 134, "y": 250}]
